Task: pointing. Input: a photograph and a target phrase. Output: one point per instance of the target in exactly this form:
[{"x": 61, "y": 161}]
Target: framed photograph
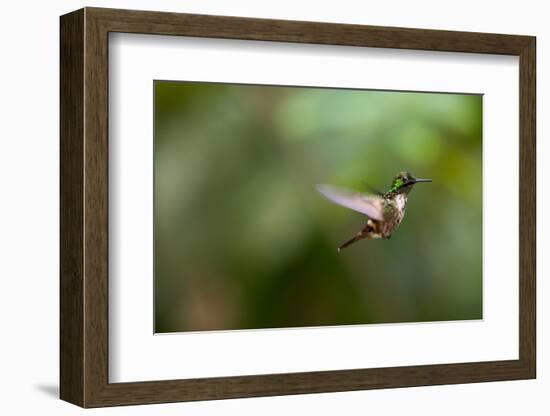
[{"x": 254, "y": 207}]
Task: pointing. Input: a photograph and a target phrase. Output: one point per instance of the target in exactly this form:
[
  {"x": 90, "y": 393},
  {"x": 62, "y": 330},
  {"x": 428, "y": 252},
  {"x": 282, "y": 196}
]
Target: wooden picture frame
[{"x": 84, "y": 207}]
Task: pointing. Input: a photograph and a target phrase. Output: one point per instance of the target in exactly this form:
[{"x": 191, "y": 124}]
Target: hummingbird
[{"x": 385, "y": 210}]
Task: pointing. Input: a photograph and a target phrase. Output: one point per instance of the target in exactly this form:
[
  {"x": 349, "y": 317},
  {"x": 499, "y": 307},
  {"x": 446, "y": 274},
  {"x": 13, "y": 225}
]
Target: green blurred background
[{"x": 243, "y": 239}]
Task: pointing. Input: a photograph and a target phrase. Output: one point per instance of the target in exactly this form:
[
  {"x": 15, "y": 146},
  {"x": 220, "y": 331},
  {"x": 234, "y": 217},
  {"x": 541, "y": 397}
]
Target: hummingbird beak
[{"x": 422, "y": 180}]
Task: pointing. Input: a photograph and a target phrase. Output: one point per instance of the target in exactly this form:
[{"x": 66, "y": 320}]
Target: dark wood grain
[
  {"x": 84, "y": 207},
  {"x": 72, "y": 215},
  {"x": 96, "y": 229},
  {"x": 162, "y": 23},
  {"x": 527, "y": 207}
]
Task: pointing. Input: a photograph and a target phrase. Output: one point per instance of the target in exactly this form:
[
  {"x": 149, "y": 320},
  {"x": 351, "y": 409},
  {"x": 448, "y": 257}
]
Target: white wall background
[{"x": 29, "y": 207}]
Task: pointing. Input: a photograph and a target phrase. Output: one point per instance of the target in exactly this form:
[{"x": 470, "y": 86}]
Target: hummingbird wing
[{"x": 370, "y": 205}]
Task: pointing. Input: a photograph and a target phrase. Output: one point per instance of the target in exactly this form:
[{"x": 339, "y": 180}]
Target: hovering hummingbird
[{"x": 385, "y": 211}]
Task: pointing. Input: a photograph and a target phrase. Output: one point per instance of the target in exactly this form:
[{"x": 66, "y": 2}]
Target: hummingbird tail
[
  {"x": 357, "y": 237},
  {"x": 365, "y": 232}
]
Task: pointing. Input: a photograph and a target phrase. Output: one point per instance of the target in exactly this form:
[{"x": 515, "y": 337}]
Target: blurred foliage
[{"x": 243, "y": 239}]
